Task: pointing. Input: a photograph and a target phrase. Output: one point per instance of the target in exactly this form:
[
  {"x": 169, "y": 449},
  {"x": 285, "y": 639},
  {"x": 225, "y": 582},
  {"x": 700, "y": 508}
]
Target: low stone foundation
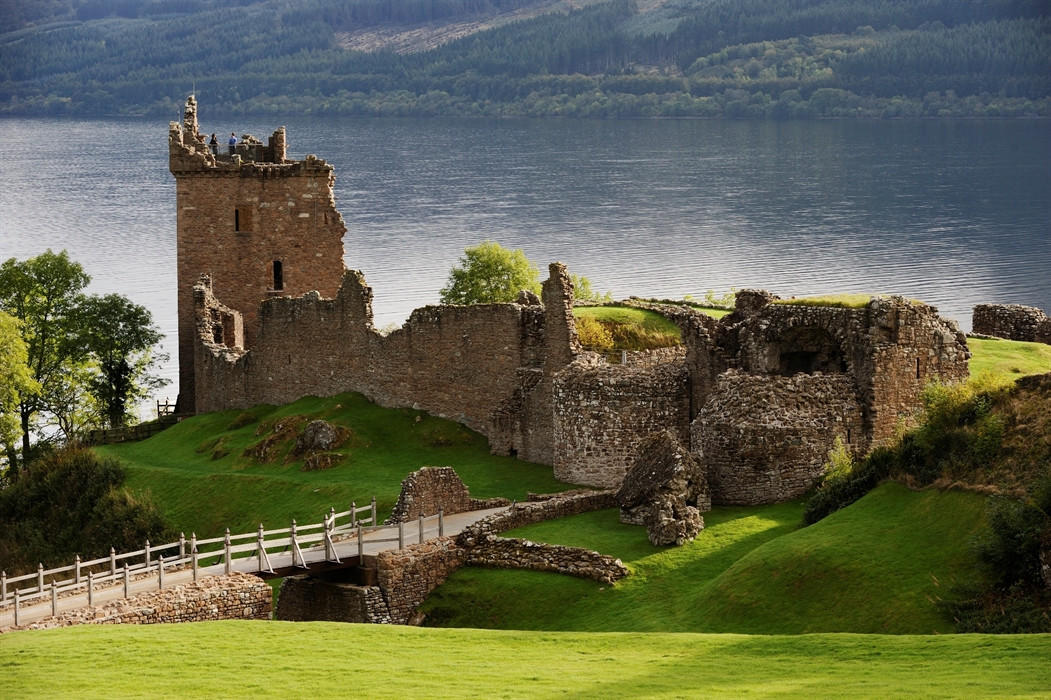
[
  {"x": 233, "y": 597},
  {"x": 514, "y": 553},
  {"x": 407, "y": 576},
  {"x": 1012, "y": 322},
  {"x": 523, "y": 514}
]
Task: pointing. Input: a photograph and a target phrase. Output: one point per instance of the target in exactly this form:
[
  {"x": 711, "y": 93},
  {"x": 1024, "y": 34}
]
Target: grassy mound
[
  {"x": 330, "y": 660},
  {"x": 869, "y": 568},
  {"x": 841, "y": 301},
  {"x": 1011, "y": 358},
  {"x": 237, "y": 468},
  {"x": 614, "y": 328}
]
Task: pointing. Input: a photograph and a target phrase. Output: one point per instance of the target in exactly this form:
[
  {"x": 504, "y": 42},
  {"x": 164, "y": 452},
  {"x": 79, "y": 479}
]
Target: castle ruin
[{"x": 760, "y": 396}]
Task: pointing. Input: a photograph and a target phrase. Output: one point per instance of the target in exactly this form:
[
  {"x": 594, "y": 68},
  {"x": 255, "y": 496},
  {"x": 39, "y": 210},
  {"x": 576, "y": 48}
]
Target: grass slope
[
  {"x": 1012, "y": 358},
  {"x": 650, "y": 320},
  {"x": 329, "y": 660},
  {"x": 206, "y": 495},
  {"x": 868, "y": 568}
]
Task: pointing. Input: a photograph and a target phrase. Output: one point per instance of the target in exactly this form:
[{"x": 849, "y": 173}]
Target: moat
[{"x": 954, "y": 213}]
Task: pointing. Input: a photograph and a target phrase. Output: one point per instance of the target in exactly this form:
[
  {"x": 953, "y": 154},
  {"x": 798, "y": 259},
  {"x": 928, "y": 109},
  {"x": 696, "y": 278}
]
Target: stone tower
[{"x": 258, "y": 224}]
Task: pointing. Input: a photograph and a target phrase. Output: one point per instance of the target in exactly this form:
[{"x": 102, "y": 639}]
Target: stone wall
[
  {"x": 514, "y": 553},
  {"x": 766, "y": 439},
  {"x": 407, "y": 576},
  {"x": 235, "y": 219},
  {"x": 428, "y": 489},
  {"x": 308, "y": 599},
  {"x": 457, "y": 362},
  {"x": 1012, "y": 322},
  {"x": 233, "y": 597},
  {"x": 603, "y": 411},
  {"x": 522, "y": 514}
]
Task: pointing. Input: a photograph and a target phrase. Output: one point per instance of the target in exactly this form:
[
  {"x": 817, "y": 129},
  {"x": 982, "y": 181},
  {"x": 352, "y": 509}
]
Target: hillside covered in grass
[
  {"x": 237, "y": 468},
  {"x": 773, "y": 59},
  {"x": 872, "y": 568}
]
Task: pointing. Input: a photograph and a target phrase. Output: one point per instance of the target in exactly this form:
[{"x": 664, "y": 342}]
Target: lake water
[{"x": 951, "y": 212}]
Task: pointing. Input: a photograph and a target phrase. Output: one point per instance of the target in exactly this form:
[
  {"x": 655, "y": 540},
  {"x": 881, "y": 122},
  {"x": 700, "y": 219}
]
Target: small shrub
[
  {"x": 593, "y": 334},
  {"x": 847, "y": 486}
]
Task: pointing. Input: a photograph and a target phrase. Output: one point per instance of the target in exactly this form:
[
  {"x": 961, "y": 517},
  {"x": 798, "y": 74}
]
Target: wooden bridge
[{"x": 340, "y": 540}]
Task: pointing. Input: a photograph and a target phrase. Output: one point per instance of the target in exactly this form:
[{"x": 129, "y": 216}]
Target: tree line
[
  {"x": 69, "y": 361},
  {"x": 242, "y": 60}
]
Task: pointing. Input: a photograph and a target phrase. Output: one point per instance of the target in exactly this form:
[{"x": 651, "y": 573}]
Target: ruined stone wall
[
  {"x": 407, "y": 576},
  {"x": 310, "y": 599},
  {"x": 911, "y": 347},
  {"x": 765, "y": 439},
  {"x": 515, "y": 553},
  {"x": 235, "y": 219},
  {"x": 602, "y": 412},
  {"x": 1012, "y": 322},
  {"x": 426, "y": 490},
  {"x": 232, "y": 597},
  {"x": 522, "y": 514}
]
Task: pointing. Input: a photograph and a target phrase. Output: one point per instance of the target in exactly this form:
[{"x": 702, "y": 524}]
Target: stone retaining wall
[
  {"x": 233, "y": 597},
  {"x": 523, "y": 514},
  {"x": 1012, "y": 322},
  {"x": 514, "y": 553},
  {"x": 407, "y": 576},
  {"x": 308, "y": 599}
]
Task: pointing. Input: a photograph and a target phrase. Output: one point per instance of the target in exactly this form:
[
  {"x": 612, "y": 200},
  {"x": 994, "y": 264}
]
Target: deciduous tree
[{"x": 488, "y": 273}]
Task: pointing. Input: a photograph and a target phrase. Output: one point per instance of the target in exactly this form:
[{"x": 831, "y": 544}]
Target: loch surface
[{"x": 951, "y": 212}]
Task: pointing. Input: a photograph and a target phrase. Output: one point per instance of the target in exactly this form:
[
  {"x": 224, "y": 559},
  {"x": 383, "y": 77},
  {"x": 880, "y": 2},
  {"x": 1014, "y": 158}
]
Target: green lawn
[
  {"x": 333, "y": 660},
  {"x": 1012, "y": 358},
  {"x": 205, "y": 495},
  {"x": 650, "y": 320},
  {"x": 867, "y": 568},
  {"x": 842, "y": 301}
]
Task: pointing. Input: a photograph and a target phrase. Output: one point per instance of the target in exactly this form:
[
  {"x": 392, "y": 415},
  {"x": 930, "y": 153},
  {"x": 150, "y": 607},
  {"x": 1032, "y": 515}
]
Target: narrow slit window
[
  {"x": 279, "y": 279},
  {"x": 242, "y": 219},
  {"x": 848, "y": 436},
  {"x": 917, "y": 368}
]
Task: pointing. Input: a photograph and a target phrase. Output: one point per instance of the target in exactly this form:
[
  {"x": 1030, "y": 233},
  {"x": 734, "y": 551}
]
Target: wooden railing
[{"x": 235, "y": 552}]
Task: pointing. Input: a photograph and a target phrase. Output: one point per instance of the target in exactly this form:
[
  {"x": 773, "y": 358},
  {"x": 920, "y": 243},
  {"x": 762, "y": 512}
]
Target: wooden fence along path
[{"x": 329, "y": 544}]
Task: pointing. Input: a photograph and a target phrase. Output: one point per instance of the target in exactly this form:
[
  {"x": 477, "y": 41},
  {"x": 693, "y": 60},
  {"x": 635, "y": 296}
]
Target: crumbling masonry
[{"x": 758, "y": 396}]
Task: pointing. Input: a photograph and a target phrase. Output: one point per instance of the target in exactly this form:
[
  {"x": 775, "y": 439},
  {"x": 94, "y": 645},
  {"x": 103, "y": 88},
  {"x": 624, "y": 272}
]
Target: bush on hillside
[{"x": 72, "y": 502}]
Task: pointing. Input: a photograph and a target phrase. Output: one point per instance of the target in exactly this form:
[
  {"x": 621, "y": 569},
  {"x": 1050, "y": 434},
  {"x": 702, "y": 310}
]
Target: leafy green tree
[
  {"x": 582, "y": 290},
  {"x": 45, "y": 293},
  {"x": 120, "y": 336},
  {"x": 15, "y": 380},
  {"x": 488, "y": 273}
]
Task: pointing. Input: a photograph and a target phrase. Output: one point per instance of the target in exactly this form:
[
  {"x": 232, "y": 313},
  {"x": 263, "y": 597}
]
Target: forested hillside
[{"x": 708, "y": 58}]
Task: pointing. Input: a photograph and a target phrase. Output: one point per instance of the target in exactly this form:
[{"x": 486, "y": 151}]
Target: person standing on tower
[
  {"x": 214, "y": 145},
  {"x": 232, "y": 142}
]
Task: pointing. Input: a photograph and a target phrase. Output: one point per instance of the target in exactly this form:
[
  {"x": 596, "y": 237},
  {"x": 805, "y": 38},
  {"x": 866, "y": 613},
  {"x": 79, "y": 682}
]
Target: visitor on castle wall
[
  {"x": 214, "y": 144},
  {"x": 232, "y": 142}
]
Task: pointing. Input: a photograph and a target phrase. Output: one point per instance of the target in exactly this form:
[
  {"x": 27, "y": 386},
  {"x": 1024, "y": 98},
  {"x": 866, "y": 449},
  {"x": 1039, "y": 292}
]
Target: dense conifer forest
[{"x": 775, "y": 59}]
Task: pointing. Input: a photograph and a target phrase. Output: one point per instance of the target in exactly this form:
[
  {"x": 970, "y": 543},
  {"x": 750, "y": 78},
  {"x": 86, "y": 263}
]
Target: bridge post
[
  {"x": 361, "y": 546},
  {"x": 54, "y": 598},
  {"x": 326, "y": 530},
  {"x": 17, "y": 605},
  {"x": 182, "y": 546},
  {"x": 226, "y": 551},
  {"x": 421, "y": 528},
  {"x": 39, "y": 578},
  {"x": 441, "y": 521},
  {"x": 353, "y": 513},
  {"x": 401, "y": 535},
  {"x": 127, "y": 580},
  {"x": 112, "y": 562},
  {"x": 147, "y": 549},
  {"x": 3, "y": 586},
  {"x": 193, "y": 556},
  {"x": 160, "y": 573},
  {"x": 293, "y": 545},
  {"x": 374, "y": 521},
  {"x": 91, "y": 588},
  {"x": 76, "y": 569}
]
